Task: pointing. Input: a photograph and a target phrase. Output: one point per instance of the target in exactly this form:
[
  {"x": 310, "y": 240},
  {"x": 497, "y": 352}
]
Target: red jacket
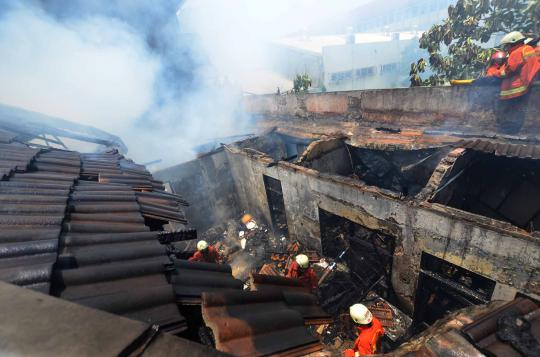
[
  {"x": 212, "y": 256},
  {"x": 368, "y": 340},
  {"x": 521, "y": 69},
  {"x": 307, "y": 277}
]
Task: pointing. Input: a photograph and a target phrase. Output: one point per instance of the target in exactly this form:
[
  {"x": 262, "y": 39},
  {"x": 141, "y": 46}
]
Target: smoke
[
  {"x": 94, "y": 71},
  {"x": 163, "y": 75}
]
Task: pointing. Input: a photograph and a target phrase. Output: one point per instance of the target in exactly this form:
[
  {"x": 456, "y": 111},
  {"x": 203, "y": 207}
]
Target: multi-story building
[{"x": 370, "y": 47}]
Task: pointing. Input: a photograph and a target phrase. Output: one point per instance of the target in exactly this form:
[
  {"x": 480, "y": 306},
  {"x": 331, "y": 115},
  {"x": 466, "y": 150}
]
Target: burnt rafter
[{"x": 29, "y": 127}]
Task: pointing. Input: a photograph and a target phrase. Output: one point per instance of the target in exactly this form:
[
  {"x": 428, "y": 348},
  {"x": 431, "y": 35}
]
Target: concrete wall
[
  {"x": 207, "y": 184},
  {"x": 222, "y": 184},
  {"x": 460, "y": 109},
  {"x": 477, "y": 244}
]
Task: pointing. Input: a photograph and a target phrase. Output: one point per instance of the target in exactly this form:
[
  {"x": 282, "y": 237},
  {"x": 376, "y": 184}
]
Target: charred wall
[
  {"x": 497, "y": 250},
  {"x": 511, "y": 259},
  {"x": 223, "y": 183},
  {"x": 209, "y": 184}
]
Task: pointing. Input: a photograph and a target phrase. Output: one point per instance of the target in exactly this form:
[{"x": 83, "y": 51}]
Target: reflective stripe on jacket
[{"x": 521, "y": 69}]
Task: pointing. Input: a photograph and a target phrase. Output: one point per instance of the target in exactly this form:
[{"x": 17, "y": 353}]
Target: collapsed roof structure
[
  {"x": 98, "y": 230},
  {"x": 430, "y": 195},
  {"x": 45, "y": 131},
  {"x": 424, "y": 201}
]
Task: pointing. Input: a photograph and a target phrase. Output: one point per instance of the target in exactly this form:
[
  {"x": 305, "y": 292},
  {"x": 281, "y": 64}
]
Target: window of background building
[
  {"x": 365, "y": 72},
  {"x": 388, "y": 68},
  {"x": 341, "y": 76}
]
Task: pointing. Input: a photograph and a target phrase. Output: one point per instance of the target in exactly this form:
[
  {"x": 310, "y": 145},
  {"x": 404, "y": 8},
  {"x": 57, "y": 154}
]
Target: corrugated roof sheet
[
  {"x": 112, "y": 168},
  {"x": 33, "y": 205},
  {"x": 191, "y": 279},
  {"x": 521, "y": 151},
  {"x": 256, "y": 324},
  {"x": 33, "y": 324},
  {"x": 504, "y": 331},
  {"x": 110, "y": 260},
  {"x": 7, "y": 136},
  {"x": 295, "y": 296},
  {"x": 15, "y": 157},
  {"x": 106, "y": 256},
  {"x": 262, "y": 282}
]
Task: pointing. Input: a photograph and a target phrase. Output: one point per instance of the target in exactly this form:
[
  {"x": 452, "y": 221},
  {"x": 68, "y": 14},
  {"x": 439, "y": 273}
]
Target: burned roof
[
  {"x": 17, "y": 124},
  {"x": 499, "y": 148}
]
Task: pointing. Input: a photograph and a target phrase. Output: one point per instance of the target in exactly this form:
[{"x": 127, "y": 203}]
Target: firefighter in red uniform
[
  {"x": 300, "y": 269},
  {"x": 370, "y": 332},
  {"x": 205, "y": 253},
  {"x": 522, "y": 66}
]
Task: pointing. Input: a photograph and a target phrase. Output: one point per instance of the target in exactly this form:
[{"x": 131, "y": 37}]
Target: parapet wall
[{"x": 467, "y": 110}]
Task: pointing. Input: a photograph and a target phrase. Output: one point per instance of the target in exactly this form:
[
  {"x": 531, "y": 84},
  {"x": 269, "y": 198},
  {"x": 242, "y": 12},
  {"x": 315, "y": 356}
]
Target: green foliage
[
  {"x": 301, "y": 83},
  {"x": 455, "y": 46}
]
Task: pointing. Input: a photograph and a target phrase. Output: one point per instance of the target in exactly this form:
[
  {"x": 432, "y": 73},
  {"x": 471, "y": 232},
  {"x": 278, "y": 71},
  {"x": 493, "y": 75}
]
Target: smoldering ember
[{"x": 339, "y": 221}]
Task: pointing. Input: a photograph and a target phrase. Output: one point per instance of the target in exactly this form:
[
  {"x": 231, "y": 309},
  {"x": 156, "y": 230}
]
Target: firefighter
[
  {"x": 497, "y": 62},
  {"x": 370, "y": 332},
  {"x": 300, "y": 269},
  {"x": 495, "y": 70},
  {"x": 205, "y": 253},
  {"x": 522, "y": 66}
]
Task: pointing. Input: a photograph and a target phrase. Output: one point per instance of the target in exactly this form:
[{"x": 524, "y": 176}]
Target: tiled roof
[
  {"x": 63, "y": 224},
  {"x": 256, "y": 324}
]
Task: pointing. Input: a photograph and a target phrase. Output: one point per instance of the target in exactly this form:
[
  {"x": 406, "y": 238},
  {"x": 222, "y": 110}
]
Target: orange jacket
[
  {"x": 307, "y": 277},
  {"x": 212, "y": 256},
  {"x": 368, "y": 339},
  {"x": 521, "y": 69},
  {"x": 495, "y": 70}
]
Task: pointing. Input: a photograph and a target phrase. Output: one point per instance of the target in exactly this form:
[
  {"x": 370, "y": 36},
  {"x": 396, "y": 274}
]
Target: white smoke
[{"x": 96, "y": 69}]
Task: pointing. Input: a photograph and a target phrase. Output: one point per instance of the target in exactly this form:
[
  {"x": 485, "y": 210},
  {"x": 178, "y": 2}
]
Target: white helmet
[
  {"x": 202, "y": 245},
  {"x": 512, "y": 37},
  {"x": 360, "y": 314},
  {"x": 302, "y": 260}
]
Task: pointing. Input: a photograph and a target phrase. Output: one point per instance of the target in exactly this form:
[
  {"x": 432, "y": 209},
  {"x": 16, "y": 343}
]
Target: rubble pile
[
  {"x": 248, "y": 246},
  {"x": 252, "y": 247}
]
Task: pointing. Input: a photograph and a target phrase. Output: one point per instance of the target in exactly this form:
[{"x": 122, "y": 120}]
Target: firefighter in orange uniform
[
  {"x": 370, "y": 332},
  {"x": 497, "y": 64},
  {"x": 522, "y": 66},
  {"x": 495, "y": 71},
  {"x": 300, "y": 269},
  {"x": 205, "y": 253}
]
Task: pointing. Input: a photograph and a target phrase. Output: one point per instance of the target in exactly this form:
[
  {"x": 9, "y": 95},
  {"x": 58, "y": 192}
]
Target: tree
[
  {"x": 301, "y": 83},
  {"x": 455, "y": 46}
]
